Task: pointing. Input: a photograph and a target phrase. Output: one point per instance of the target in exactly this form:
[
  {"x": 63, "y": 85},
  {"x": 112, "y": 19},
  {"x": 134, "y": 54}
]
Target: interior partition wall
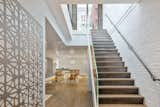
[{"x": 21, "y": 57}]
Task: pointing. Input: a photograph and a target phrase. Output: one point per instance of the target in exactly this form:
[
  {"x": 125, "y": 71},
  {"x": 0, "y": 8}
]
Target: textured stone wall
[{"x": 20, "y": 57}]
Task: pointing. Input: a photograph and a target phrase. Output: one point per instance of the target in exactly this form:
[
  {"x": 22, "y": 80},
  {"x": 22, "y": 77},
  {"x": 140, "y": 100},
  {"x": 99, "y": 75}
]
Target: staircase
[{"x": 116, "y": 88}]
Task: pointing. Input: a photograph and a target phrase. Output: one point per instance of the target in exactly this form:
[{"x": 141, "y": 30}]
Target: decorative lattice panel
[{"x": 20, "y": 57}]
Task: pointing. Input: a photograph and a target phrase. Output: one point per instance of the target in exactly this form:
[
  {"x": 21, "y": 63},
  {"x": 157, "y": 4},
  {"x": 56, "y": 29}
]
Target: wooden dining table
[{"x": 67, "y": 73}]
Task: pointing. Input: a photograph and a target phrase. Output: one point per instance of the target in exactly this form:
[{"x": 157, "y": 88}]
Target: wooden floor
[{"x": 69, "y": 95}]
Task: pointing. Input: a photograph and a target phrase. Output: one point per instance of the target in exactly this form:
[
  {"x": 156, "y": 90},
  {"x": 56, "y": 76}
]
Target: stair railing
[
  {"x": 115, "y": 28},
  {"x": 93, "y": 75}
]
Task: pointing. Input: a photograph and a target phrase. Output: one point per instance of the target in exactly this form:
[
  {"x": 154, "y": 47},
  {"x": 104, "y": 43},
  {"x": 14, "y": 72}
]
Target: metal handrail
[{"x": 130, "y": 46}]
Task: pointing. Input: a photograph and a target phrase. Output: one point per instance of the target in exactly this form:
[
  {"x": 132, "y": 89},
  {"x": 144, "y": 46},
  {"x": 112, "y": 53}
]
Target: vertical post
[{"x": 100, "y": 16}]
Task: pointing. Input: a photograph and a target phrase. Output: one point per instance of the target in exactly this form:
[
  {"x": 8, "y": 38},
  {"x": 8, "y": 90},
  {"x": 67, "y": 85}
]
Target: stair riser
[
  {"x": 112, "y": 69},
  {"x": 108, "y": 59},
  {"x": 105, "y": 51},
  {"x": 111, "y": 64},
  {"x": 107, "y": 54},
  {"x": 106, "y": 44},
  {"x": 103, "y": 43},
  {"x": 114, "y": 75},
  {"x": 118, "y": 91},
  {"x": 120, "y": 82},
  {"x": 100, "y": 34},
  {"x": 101, "y": 38},
  {"x": 121, "y": 100},
  {"x": 104, "y": 47}
]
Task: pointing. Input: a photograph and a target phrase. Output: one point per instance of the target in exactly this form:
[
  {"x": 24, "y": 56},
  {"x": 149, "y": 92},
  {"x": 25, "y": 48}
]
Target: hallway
[{"x": 69, "y": 95}]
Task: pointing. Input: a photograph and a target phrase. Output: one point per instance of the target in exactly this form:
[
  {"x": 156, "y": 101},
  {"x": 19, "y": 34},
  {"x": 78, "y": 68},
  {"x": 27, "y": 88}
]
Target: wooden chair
[
  {"x": 59, "y": 76},
  {"x": 74, "y": 75}
]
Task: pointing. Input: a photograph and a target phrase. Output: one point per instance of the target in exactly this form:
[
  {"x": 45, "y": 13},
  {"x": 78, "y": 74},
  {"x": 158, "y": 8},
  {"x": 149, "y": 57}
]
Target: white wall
[
  {"x": 73, "y": 58},
  {"x": 141, "y": 29}
]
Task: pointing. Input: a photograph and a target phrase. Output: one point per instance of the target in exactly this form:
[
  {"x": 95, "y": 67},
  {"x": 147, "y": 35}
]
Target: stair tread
[
  {"x": 120, "y": 96},
  {"x": 109, "y": 61},
  {"x": 108, "y": 56},
  {"x": 116, "y": 79},
  {"x": 104, "y": 49},
  {"x": 122, "y": 105},
  {"x": 99, "y": 43},
  {"x": 118, "y": 87},
  {"x": 107, "y": 52},
  {"x": 114, "y": 72},
  {"x": 102, "y": 39},
  {"x": 112, "y": 67}
]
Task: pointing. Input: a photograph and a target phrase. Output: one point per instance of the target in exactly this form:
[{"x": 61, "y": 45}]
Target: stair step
[
  {"x": 112, "y": 68},
  {"x": 118, "y": 90},
  {"x": 101, "y": 38},
  {"x": 100, "y": 35},
  {"x": 106, "y": 53},
  {"x": 116, "y": 81},
  {"x": 103, "y": 43},
  {"x": 108, "y": 58},
  {"x": 105, "y": 46},
  {"x": 120, "y": 99},
  {"x": 112, "y": 56},
  {"x": 122, "y": 105},
  {"x": 114, "y": 74},
  {"x": 107, "y": 63},
  {"x": 105, "y": 49}
]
